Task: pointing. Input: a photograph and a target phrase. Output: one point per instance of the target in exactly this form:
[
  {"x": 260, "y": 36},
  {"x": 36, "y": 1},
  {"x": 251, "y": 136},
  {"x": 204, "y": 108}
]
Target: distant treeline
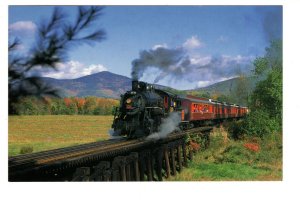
[{"x": 66, "y": 106}]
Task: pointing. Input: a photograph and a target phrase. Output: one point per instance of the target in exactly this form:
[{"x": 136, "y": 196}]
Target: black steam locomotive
[{"x": 142, "y": 109}]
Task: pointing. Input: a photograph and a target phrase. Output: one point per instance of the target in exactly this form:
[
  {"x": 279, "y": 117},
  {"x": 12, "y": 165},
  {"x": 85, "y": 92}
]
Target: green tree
[
  {"x": 260, "y": 123},
  {"x": 98, "y": 111},
  {"x": 267, "y": 95},
  {"x": 90, "y": 105},
  {"x": 224, "y": 98},
  {"x": 265, "y": 117},
  {"x": 26, "y": 106},
  {"x": 58, "y": 107},
  {"x": 31, "y": 106},
  {"x": 108, "y": 110},
  {"x": 242, "y": 90},
  {"x": 272, "y": 59}
]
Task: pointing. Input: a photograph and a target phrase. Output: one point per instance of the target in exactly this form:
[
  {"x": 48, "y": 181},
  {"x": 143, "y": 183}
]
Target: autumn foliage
[
  {"x": 66, "y": 106},
  {"x": 252, "y": 147},
  {"x": 194, "y": 145},
  {"x": 67, "y": 101}
]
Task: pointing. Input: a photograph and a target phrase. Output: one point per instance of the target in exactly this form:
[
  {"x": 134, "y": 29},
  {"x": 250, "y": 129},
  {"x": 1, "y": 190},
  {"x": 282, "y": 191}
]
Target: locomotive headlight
[{"x": 128, "y": 101}]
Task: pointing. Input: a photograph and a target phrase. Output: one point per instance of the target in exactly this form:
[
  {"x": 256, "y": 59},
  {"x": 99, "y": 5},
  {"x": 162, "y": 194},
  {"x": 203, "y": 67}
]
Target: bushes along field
[{"x": 65, "y": 106}]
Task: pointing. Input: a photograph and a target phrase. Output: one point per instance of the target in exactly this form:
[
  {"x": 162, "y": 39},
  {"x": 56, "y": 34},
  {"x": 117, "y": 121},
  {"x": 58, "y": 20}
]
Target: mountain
[
  {"x": 109, "y": 85},
  {"x": 102, "y": 84},
  {"x": 225, "y": 87}
]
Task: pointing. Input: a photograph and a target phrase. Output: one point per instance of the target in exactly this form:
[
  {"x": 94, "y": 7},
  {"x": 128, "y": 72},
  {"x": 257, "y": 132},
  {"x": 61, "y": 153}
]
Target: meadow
[
  {"x": 45, "y": 132},
  {"x": 231, "y": 160}
]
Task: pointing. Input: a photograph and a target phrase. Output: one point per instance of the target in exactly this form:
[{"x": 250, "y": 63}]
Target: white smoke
[
  {"x": 168, "y": 125},
  {"x": 114, "y": 134}
]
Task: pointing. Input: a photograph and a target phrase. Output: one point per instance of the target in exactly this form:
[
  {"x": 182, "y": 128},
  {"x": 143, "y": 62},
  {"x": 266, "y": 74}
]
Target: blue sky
[{"x": 219, "y": 42}]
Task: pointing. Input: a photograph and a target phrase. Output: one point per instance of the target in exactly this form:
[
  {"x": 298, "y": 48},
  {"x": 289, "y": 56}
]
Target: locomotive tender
[{"x": 143, "y": 109}]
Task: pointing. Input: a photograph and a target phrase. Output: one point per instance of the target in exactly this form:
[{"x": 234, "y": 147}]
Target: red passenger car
[{"x": 199, "y": 111}]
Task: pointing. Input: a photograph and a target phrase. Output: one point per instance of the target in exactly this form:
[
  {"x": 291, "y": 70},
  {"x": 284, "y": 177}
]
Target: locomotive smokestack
[
  {"x": 140, "y": 86},
  {"x": 134, "y": 85}
]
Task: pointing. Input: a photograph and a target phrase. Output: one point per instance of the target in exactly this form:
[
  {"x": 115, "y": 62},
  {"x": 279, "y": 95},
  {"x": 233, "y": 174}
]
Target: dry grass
[{"x": 55, "y": 131}]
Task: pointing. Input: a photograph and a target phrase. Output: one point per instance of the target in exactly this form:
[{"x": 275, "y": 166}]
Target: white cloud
[
  {"x": 23, "y": 27},
  {"x": 192, "y": 43},
  {"x": 207, "y": 70},
  {"x": 73, "y": 69},
  {"x": 159, "y": 46},
  {"x": 238, "y": 59},
  {"x": 199, "y": 60},
  {"x": 201, "y": 84}
]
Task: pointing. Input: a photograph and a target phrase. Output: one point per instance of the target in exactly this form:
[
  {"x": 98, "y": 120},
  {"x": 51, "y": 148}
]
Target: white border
[{"x": 194, "y": 190}]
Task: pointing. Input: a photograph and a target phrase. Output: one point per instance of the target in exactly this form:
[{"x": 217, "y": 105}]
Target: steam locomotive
[{"x": 143, "y": 109}]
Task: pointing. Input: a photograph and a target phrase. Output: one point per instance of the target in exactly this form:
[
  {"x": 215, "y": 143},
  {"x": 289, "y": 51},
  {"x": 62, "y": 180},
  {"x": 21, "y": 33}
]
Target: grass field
[
  {"x": 46, "y": 132},
  {"x": 229, "y": 160}
]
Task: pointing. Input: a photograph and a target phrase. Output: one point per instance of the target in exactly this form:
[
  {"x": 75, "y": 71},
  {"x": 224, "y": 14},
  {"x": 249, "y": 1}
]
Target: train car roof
[
  {"x": 166, "y": 92},
  {"x": 209, "y": 101},
  {"x": 198, "y": 100}
]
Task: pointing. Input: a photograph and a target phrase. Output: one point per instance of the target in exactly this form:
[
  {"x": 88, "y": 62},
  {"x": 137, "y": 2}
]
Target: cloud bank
[
  {"x": 193, "y": 43},
  {"x": 70, "y": 70},
  {"x": 22, "y": 28}
]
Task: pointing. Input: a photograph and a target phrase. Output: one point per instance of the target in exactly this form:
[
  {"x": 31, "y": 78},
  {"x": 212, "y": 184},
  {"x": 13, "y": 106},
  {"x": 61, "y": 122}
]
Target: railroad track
[{"x": 58, "y": 161}]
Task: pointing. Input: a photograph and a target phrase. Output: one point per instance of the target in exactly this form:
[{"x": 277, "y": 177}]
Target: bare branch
[{"x": 14, "y": 44}]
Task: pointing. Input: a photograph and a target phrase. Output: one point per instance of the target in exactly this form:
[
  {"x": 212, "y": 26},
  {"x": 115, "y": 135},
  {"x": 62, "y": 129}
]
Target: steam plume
[
  {"x": 167, "y": 60},
  {"x": 169, "y": 125},
  {"x": 114, "y": 134},
  {"x": 177, "y": 64}
]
